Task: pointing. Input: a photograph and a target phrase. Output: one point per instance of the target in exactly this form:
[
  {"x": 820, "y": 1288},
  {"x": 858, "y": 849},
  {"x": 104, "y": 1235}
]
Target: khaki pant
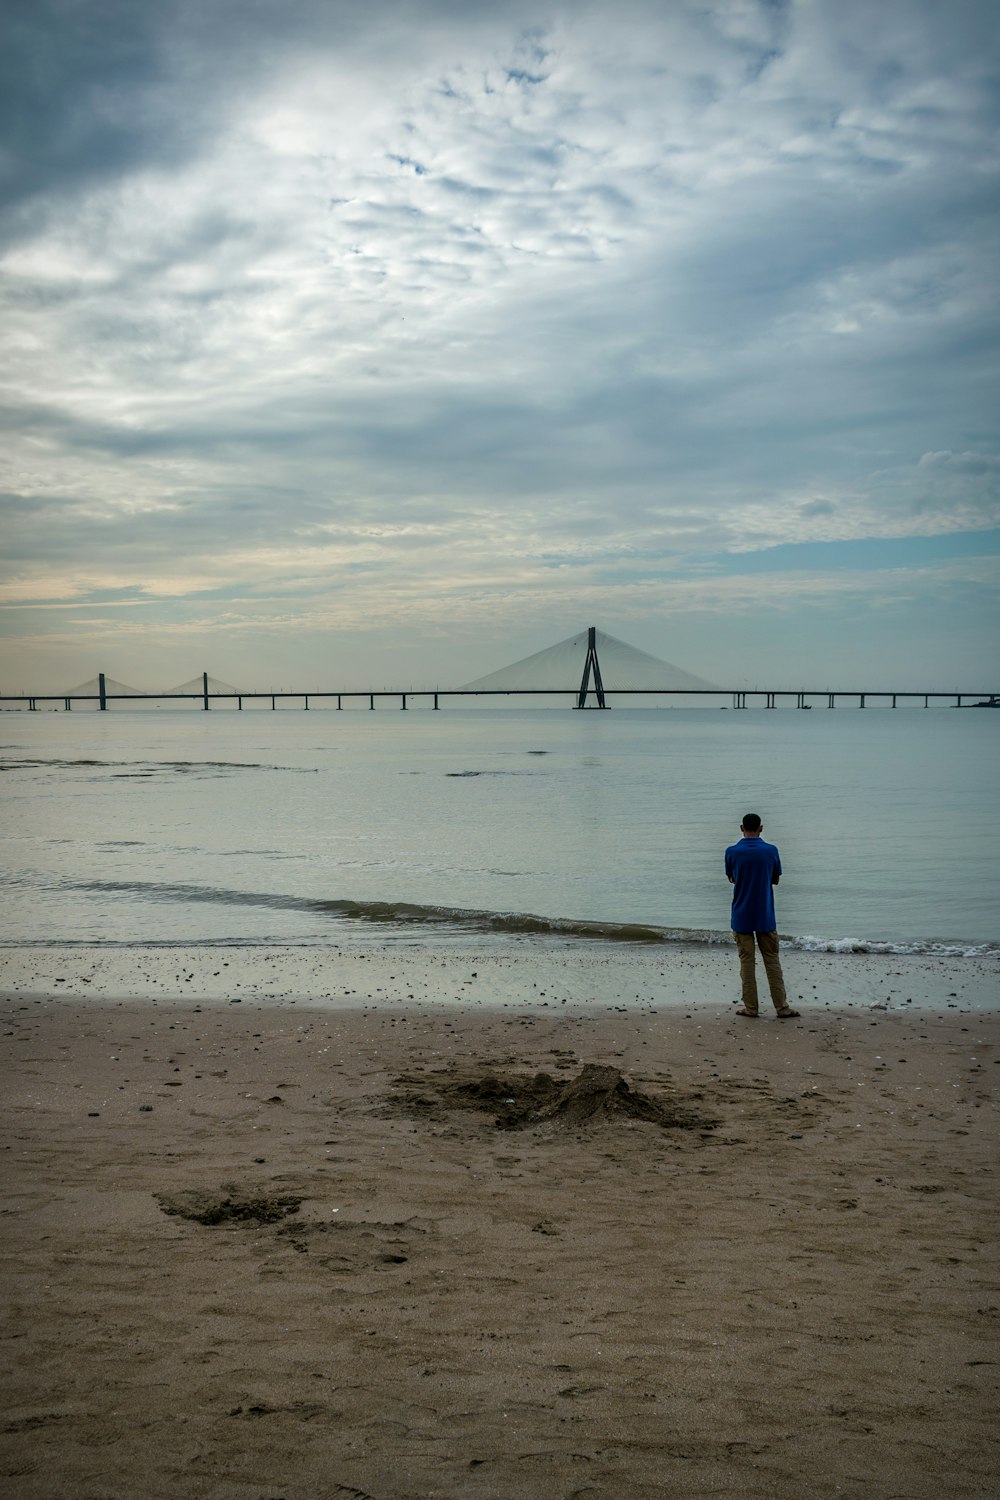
[{"x": 767, "y": 942}]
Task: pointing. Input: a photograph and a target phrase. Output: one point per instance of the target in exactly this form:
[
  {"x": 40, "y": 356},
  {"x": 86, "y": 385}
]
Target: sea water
[{"x": 174, "y": 825}]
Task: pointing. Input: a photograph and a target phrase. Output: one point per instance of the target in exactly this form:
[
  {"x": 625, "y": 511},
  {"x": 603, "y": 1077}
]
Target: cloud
[
  {"x": 436, "y": 292},
  {"x": 818, "y": 508},
  {"x": 961, "y": 463}
]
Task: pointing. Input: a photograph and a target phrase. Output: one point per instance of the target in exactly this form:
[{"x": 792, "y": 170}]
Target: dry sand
[{"x": 784, "y": 1286}]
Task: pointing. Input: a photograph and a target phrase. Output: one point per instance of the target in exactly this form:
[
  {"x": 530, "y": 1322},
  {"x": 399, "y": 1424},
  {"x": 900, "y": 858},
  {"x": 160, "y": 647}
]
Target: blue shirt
[{"x": 754, "y": 868}]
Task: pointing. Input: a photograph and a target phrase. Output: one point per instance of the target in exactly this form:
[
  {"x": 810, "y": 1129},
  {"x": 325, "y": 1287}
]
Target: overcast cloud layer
[{"x": 397, "y": 340}]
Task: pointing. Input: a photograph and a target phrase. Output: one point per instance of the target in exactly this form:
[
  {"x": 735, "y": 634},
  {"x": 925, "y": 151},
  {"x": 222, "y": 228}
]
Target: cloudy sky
[{"x": 384, "y": 343}]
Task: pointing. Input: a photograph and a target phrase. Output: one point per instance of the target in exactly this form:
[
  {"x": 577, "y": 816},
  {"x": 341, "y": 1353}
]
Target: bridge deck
[{"x": 740, "y": 698}]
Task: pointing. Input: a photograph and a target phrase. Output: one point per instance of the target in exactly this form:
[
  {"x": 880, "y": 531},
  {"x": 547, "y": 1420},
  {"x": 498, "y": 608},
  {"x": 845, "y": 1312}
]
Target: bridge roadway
[{"x": 739, "y": 697}]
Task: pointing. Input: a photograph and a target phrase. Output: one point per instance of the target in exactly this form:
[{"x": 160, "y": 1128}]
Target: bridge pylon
[{"x": 591, "y": 665}]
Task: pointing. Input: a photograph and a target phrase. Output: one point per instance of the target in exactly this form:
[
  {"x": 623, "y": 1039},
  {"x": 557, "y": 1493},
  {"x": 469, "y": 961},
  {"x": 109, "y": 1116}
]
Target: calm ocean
[{"x": 179, "y": 826}]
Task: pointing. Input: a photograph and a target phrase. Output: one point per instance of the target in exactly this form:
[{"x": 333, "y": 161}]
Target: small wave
[
  {"x": 24, "y": 764},
  {"x": 927, "y": 947},
  {"x": 402, "y": 914},
  {"x": 470, "y": 919},
  {"x": 497, "y": 773},
  {"x": 147, "y": 767}
]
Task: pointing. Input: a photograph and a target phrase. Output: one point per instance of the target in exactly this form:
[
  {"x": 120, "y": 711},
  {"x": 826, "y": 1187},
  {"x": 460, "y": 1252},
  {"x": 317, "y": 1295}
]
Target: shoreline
[
  {"x": 548, "y": 973},
  {"x": 789, "y": 1291}
]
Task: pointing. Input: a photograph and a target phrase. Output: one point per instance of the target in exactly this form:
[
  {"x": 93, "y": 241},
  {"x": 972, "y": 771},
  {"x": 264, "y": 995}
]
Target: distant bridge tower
[{"x": 591, "y": 665}]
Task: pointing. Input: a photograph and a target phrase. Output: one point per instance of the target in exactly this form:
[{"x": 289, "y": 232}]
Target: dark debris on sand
[
  {"x": 598, "y": 1094},
  {"x": 227, "y": 1204}
]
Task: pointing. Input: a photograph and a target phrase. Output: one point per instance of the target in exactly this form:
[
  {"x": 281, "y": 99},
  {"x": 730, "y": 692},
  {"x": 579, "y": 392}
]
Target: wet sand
[{"x": 302, "y": 1246}]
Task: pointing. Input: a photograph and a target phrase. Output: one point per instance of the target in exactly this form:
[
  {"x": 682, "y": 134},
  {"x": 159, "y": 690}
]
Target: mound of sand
[
  {"x": 599, "y": 1094},
  {"x": 228, "y": 1203}
]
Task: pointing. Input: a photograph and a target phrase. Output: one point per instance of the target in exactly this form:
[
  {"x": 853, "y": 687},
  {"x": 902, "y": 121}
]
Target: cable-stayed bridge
[
  {"x": 586, "y": 669},
  {"x": 599, "y": 663}
]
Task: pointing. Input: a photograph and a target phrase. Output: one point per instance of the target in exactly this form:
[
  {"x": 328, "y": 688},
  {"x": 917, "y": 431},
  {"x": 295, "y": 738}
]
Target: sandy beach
[{"x": 310, "y": 1225}]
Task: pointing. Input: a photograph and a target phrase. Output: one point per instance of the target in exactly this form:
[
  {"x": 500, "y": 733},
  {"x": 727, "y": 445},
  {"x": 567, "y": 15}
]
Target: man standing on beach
[{"x": 754, "y": 869}]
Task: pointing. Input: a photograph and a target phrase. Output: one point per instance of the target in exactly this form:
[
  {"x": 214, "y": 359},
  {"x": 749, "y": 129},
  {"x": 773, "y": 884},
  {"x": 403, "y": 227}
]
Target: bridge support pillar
[
  {"x": 402, "y": 698},
  {"x": 591, "y": 665},
  {"x": 862, "y": 700},
  {"x": 307, "y": 701},
  {"x": 371, "y": 701},
  {"x": 239, "y": 704},
  {"x": 102, "y": 691},
  {"x": 339, "y": 704},
  {"x": 436, "y": 704},
  {"x": 273, "y": 704}
]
